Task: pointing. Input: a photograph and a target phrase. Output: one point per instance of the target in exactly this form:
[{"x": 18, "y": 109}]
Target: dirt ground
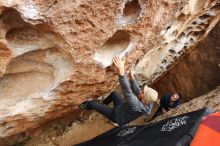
[
  {"x": 60, "y": 134},
  {"x": 81, "y": 130}
]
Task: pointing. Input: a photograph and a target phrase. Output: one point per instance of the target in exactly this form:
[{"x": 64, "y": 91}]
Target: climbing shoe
[{"x": 83, "y": 105}]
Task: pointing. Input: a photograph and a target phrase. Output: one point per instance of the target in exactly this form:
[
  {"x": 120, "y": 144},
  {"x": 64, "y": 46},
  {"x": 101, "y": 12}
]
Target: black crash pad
[{"x": 173, "y": 131}]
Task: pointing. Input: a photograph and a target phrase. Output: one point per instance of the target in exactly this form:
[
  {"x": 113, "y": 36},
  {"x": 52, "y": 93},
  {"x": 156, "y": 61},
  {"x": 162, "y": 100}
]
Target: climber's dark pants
[{"x": 105, "y": 110}]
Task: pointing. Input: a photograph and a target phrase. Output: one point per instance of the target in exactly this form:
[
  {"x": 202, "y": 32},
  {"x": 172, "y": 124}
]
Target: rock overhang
[{"x": 55, "y": 44}]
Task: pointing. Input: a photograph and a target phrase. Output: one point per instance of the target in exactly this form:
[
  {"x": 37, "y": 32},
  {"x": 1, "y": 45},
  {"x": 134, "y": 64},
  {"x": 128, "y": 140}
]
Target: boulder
[
  {"x": 56, "y": 54},
  {"x": 197, "y": 73}
]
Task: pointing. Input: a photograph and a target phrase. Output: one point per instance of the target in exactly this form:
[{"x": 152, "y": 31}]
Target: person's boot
[{"x": 84, "y": 105}]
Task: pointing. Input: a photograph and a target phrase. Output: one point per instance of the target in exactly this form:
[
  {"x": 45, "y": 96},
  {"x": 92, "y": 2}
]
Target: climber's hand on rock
[
  {"x": 131, "y": 75},
  {"x": 164, "y": 111},
  {"x": 119, "y": 63}
]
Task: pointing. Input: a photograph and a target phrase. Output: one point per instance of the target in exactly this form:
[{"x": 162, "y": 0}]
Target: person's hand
[
  {"x": 158, "y": 101},
  {"x": 131, "y": 75},
  {"x": 164, "y": 111},
  {"x": 119, "y": 63}
]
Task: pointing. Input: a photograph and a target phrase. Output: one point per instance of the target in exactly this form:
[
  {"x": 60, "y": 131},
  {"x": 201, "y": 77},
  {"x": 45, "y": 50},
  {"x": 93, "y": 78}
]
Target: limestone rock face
[
  {"x": 197, "y": 73},
  {"x": 191, "y": 26},
  {"x": 55, "y": 54}
]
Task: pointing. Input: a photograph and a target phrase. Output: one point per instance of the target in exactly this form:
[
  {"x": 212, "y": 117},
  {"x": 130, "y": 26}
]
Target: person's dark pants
[{"x": 103, "y": 108}]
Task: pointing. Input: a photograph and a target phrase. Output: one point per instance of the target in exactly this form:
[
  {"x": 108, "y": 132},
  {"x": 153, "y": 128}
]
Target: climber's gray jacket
[{"x": 132, "y": 108}]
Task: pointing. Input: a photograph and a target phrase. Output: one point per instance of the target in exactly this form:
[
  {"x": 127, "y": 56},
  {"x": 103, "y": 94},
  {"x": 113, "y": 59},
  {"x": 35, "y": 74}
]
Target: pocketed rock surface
[{"x": 56, "y": 54}]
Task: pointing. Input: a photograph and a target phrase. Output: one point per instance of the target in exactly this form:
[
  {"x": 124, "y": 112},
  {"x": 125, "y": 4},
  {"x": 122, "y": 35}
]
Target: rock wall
[
  {"x": 55, "y": 54},
  {"x": 192, "y": 25},
  {"x": 197, "y": 73}
]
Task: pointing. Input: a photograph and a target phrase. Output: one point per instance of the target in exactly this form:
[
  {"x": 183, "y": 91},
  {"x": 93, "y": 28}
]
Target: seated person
[
  {"x": 167, "y": 102},
  {"x": 136, "y": 104}
]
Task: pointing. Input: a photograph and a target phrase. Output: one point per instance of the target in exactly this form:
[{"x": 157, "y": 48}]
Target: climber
[
  {"x": 124, "y": 112},
  {"x": 167, "y": 102}
]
